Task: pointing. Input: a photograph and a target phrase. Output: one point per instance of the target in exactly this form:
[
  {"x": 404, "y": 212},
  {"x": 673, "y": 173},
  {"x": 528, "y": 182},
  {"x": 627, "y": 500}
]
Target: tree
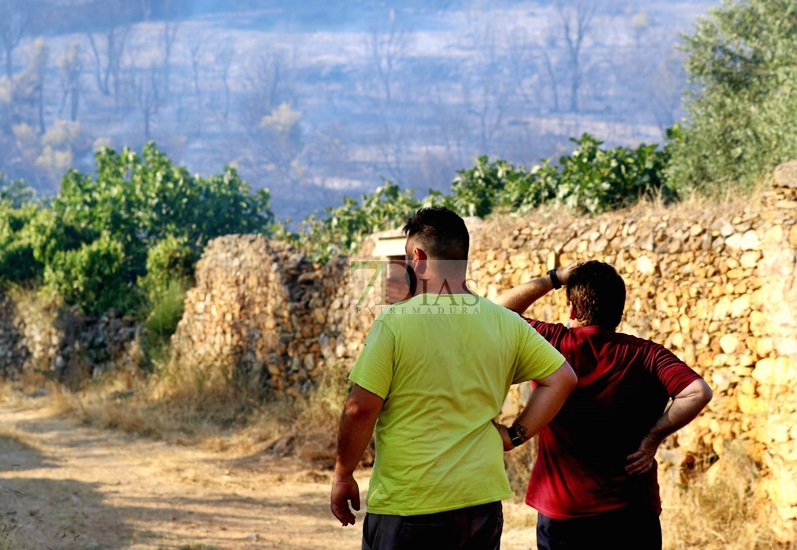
[
  {"x": 38, "y": 68},
  {"x": 168, "y": 37},
  {"x": 108, "y": 46},
  {"x": 272, "y": 120},
  {"x": 387, "y": 49},
  {"x": 223, "y": 61},
  {"x": 486, "y": 86},
  {"x": 146, "y": 90},
  {"x": 70, "y": 66},
  {"x": 14, "y": 20},
  {"x": 524, "y": 54},
  {"x": 196, "y": 49},
  {"x": 388, "y": 46},
  {"x": 576, "y": 17},
  {"x": 742, "y": 59},
  {"x": 27, "y": 89},
  {"x": 94, "y": 241}
]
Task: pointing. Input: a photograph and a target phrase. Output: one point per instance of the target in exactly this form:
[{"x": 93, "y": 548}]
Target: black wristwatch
[
  {"x": 554, "y": 279},
  {"x": 514, "y": 437}
]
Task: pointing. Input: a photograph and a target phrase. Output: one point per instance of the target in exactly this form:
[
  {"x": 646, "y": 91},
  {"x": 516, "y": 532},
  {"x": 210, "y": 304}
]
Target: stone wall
[
  {"x": 40, "y": 336},
  {"x": 264, "y": 311}
]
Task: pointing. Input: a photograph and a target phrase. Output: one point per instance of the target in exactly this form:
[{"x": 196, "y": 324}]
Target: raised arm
[
  {"x": 543, "y": 404},
  {"x": 356, "y": 426},
  {"x": 684, "y": 408},
  {"x": 520, "y": 298}
]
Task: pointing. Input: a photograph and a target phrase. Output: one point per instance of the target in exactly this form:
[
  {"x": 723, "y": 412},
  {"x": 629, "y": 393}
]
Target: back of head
[
  {"x": 441, "y": 233},
  {"x": 597, "y": 292}
]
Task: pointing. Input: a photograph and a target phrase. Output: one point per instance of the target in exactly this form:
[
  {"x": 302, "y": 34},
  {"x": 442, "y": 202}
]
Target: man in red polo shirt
[{"x": 594, "y": 480}]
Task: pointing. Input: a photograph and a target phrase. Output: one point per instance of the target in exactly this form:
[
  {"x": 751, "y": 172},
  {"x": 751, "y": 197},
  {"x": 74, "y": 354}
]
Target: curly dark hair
[
  {"x": 597, "y": 292},
  {"x": 441, "y": 232}
]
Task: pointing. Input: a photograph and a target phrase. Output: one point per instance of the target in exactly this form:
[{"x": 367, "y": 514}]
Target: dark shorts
[
  {"x": 473, "y": 528},
  {"x": 626, "y": 529}
]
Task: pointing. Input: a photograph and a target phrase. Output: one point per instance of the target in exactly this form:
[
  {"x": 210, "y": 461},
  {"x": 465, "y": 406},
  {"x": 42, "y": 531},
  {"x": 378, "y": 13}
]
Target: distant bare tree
[
  {"x": 270, "y": 116},
  {"x": 14, "y": 19},
  {"x": 38, "y": 68},
  {"x": 146, "y": 91},
  {"x": 168, "y": 37},
  {"x": 197, "y": 44},
  {"x": 388, "y": 47},
  {"x": 525, "y": 70},
  {"x": 666, "y": 87},
  {"x": 486, "y": 85},
  {"x": 108, "y": 49},
  {"x": 269, "y": 84},
  {"x": 223, "y": 58},
  {"x": 576, "y": 17},
  {"x": 71, "y": 65}
]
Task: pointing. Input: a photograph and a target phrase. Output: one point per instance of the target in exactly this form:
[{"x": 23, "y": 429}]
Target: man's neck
[{"x": 435, "y": 285}]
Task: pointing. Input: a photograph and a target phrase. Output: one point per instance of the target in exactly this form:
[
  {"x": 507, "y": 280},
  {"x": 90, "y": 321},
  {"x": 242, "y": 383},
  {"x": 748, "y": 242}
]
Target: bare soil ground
[{"x": 65, "y": 486}]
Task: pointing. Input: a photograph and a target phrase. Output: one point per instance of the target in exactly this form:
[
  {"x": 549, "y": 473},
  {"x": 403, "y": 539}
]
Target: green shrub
[
  {"x": 590, "y": 180},
  {"x": 594, "y": 180},
  {"x": 742, "y": 59},
  {"x": 17, "y": 261},
  {"x": 132, "y": 205},
  {"x": 90, "y": 277},
  {"x": 171, "y": 259},
  {"x": 341, "y": 229},
  {"x": 165, "y": 311}
]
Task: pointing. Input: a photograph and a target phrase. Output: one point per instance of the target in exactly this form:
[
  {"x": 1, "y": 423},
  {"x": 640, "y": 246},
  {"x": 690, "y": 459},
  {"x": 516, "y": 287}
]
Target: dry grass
[
  {"x": 719, "y": 510},
  {"x": 205, "y": 407}
]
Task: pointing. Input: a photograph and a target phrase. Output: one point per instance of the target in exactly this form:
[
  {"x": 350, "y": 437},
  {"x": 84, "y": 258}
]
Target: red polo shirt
[{"x": 624, "y": 385}]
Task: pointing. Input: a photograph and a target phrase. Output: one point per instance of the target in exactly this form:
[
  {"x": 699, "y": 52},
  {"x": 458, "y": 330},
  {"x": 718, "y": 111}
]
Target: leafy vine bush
[
  {"x": 341, "y": 229},
  {"x": 116, "y": 239},
  {"x": 589, "y": 180}
]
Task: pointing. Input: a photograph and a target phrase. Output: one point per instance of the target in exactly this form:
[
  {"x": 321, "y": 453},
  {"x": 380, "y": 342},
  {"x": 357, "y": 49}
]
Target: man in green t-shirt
[{"x": 433, "y": 374}]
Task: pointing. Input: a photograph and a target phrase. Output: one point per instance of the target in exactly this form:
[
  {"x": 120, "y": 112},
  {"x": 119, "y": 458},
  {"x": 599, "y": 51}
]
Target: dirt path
[{"x": 64, "y": 486}]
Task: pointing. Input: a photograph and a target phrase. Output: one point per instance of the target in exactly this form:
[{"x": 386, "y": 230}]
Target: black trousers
[
  {"x": 625, "y": 529},
  {"x": 473, "y": 528}
]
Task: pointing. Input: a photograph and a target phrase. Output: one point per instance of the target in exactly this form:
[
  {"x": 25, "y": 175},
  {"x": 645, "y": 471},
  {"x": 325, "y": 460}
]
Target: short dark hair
[
  {"x": 597, "y": 292},
  {"x": 441, "y": 232}
]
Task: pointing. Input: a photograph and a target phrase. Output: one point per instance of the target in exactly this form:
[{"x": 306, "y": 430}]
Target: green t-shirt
[{"x": 444, "y": 365}]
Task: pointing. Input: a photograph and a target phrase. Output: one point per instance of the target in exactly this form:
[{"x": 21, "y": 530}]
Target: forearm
[
  {"x": 545, "y": 402},
  {"x": 685, "y": 407},
  {"x": 520, "y": 298},
  {"x": 356, "y": 427}
]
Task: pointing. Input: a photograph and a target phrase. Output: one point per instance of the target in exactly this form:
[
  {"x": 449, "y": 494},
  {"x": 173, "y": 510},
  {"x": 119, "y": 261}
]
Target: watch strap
[
  {"x": 517, "y": 441},
  {"x": 554, "y": 279}
]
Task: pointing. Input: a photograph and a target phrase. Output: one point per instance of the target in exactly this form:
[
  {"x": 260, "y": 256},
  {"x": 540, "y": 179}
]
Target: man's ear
[
  {"x": 571, "y": 311},
  {"x": 420, "y": 258}
]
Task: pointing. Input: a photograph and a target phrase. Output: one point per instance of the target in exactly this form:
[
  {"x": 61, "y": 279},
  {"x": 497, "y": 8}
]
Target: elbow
[
  {"x": 706, "y": 394},
  {"x": 571, "y": 379},
  {"x": 362, "y": 405},
  {"x": 356, "y": 410}
]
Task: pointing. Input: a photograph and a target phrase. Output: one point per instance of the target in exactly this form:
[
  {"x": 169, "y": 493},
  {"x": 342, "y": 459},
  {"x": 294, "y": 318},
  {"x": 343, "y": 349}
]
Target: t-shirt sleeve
[
  {"x": 673, "y": 373},
  {"x": 374, "y": 367},
  {"x": 536, "y": 357}
]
